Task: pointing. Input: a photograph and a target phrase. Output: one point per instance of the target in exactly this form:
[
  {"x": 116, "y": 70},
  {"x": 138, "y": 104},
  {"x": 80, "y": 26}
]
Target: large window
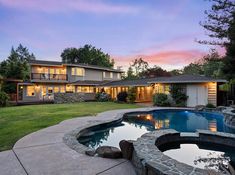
[
  {"x": 78, "y": 71},
  {"x": 30, "y": 91},
  {"x": 87, "y": 89}
]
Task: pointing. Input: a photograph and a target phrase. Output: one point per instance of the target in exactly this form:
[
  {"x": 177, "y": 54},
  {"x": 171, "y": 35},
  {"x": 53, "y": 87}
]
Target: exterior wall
[
  {"x": 212, "y": 93},
  {"x": 90, "y": 74}
]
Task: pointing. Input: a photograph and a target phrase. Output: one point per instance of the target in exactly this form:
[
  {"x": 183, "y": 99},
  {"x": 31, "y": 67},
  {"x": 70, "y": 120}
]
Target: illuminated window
[
  {"x": 111, "y": 74},
  {"x": 50, "y": 90},
  {"x": 77, "y": 71},
  {"x": 30, "y": 91},
  {"x": 70, "y": 88},
  {"x": 56, "y": 89},
  {"x": 104, "y": 74},
  {"x": 62, "y": 89},
  {"x": 52, "y": 71}
]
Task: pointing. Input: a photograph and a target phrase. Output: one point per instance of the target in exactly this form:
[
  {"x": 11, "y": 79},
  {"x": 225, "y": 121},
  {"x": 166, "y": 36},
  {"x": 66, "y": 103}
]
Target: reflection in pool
[
  {"x": 136, "y": 124},
  {"x": 201, "y": 155}
]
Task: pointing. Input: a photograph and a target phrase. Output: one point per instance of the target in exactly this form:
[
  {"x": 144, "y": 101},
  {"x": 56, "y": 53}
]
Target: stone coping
[{"x": 148, "y": 159}]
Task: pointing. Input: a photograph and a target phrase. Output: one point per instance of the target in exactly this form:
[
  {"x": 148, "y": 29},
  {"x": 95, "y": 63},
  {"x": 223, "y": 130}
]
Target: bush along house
[{"x": 50, "y": 79}]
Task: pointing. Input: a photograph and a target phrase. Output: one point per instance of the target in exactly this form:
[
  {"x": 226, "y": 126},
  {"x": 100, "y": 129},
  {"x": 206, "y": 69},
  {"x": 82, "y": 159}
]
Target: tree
[
  {"x": 16, "y": 66},
  {"x": 212, "y": 64},
  {"x": 175, "y": 72},
  {"x": 220, "y": 25},
  {"x": 87, "y": 54},
  {"x": 139, "y": 65},
  {"x": 130, "y": 74},
  {"x": 156, "y": 71},
  {"x": 193, "y": 69}
]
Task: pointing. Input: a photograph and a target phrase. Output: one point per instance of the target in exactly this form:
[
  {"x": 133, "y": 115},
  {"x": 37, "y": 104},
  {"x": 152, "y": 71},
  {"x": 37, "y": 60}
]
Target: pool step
[{"x": 189, "y": 134}]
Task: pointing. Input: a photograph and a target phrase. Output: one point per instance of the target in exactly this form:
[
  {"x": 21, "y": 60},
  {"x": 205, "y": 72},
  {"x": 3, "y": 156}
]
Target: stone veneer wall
[
  {"x": 149, "y": 160},
  {"x": 73, "y": 97}
]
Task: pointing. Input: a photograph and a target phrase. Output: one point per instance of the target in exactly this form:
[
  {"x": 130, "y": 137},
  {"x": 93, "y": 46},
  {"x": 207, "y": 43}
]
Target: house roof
[
  {"x": 58, "y": 63},
  {"x": 173, "y": 79},
  {"x": 89, "y": 83}
]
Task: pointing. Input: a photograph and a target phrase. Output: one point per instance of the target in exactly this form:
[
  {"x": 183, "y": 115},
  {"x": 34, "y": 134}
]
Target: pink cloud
[
  {"x": 171, "y": 59},
  {"x": 93, "y": 6}
]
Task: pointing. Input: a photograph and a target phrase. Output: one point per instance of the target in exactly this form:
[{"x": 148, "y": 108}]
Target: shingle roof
[
  {"x": 173, "y": 79},
  {"x": 58, "y": 63},
  {"x": 89, "y": 82}
]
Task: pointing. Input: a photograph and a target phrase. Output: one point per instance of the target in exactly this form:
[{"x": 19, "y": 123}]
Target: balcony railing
[{"x": 44, "y": 76}]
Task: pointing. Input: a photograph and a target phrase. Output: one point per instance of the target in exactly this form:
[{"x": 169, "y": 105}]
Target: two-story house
[{"x": 49, "y": 77}]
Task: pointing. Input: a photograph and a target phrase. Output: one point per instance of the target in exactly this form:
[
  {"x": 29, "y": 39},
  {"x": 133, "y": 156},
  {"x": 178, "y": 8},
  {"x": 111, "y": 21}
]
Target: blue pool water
[{"x": 136, "y": 124}]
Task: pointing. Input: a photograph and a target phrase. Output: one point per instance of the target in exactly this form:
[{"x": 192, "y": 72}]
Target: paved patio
[{"x": 44, "y": 152}]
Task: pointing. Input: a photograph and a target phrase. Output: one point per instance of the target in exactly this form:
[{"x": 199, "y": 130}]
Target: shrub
[
  {"x": 160, "y": 99},
  {"x": 178, "y": 95},
  {"x": 209, "y": 105},
  {"x": 102, "y": 97},
  {"x": 3, "y": 98},
  {"x": 131, "y": 95},
  {"x": 122, "y": 96}
]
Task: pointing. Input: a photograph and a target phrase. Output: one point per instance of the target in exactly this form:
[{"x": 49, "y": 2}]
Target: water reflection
[
  {"x": 202, "y": 155},
  {"x": 183, "y": 121},
  {"x": 136, "y": 124}
]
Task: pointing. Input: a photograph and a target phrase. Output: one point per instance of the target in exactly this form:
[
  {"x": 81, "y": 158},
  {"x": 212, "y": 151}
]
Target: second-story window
[
  {"x": 108, "y": 74},
  {"x": 118, "y": 75},
  {"x": 78, "y": 71}
]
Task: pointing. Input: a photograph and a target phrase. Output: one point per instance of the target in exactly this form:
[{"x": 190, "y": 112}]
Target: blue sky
[{"x": 163, "y": 32}]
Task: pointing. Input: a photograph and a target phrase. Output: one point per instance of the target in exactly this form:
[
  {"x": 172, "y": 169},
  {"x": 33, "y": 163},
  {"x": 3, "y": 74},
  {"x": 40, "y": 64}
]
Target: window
[
  {"x": 50, "y": 90},
  {"x": 30, "y": 91},
  {"x": 77, "y": 71},
  {"x": 108, "y": 74},
  {"x": 56, "y": 89},
  {"x": 52, "y": 71},
  {"x": 62, "y": 89},
  {"x": 118, "y": 75}
]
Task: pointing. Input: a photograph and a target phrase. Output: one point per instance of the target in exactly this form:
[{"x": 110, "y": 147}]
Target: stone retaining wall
[{"x": 73, "y": 97}]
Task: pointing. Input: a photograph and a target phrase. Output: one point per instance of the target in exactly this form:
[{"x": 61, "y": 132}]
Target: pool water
[
  {"x": 202, "y": 156},
  {"x": 136, "y": 124}
]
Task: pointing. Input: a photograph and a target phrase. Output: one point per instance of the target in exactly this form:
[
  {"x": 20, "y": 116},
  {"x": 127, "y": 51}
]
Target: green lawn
[{"x": 16, "y": 122}]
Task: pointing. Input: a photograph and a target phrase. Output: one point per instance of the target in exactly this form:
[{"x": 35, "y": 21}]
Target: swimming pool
[{"x": 136, "y": 124}]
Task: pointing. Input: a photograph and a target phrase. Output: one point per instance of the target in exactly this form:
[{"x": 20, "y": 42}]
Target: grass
[{"x": 16, "y": 122}]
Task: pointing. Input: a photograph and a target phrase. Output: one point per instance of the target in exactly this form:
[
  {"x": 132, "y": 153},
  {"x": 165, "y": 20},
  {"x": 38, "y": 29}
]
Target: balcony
[{"x": 52, "y": 77}]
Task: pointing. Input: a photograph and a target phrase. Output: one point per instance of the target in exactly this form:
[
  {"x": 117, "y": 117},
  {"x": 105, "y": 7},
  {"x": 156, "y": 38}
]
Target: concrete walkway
[{"x": 44, "y": 153}]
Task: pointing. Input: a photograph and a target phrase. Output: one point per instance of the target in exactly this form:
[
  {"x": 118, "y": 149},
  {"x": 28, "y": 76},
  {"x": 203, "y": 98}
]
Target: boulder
[
  {"x": 199, "y": 107},
  {"x": 90, "y": 152},
  {"x": 126, "y": 148},
  {"x": 109, "y": 152}
]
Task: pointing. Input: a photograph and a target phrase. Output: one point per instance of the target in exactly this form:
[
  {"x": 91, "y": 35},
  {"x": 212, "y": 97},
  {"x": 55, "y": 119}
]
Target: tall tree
[
  {"x": 212, "y": 64},
  {"x": 130, "y": 74},
  {"x": 87, "y": 54},
  {"x": 220, "y": 25},
  {"x": 139, "y": 65},
  {"x": 16, "y": 66}
]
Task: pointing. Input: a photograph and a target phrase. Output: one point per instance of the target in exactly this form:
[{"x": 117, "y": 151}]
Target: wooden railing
[{"x": 44, "y": 76}]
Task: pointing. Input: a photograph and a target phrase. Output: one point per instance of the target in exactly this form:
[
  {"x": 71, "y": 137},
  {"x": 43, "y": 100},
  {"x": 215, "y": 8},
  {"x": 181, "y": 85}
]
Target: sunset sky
[{"x": 163, "y": 32}]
